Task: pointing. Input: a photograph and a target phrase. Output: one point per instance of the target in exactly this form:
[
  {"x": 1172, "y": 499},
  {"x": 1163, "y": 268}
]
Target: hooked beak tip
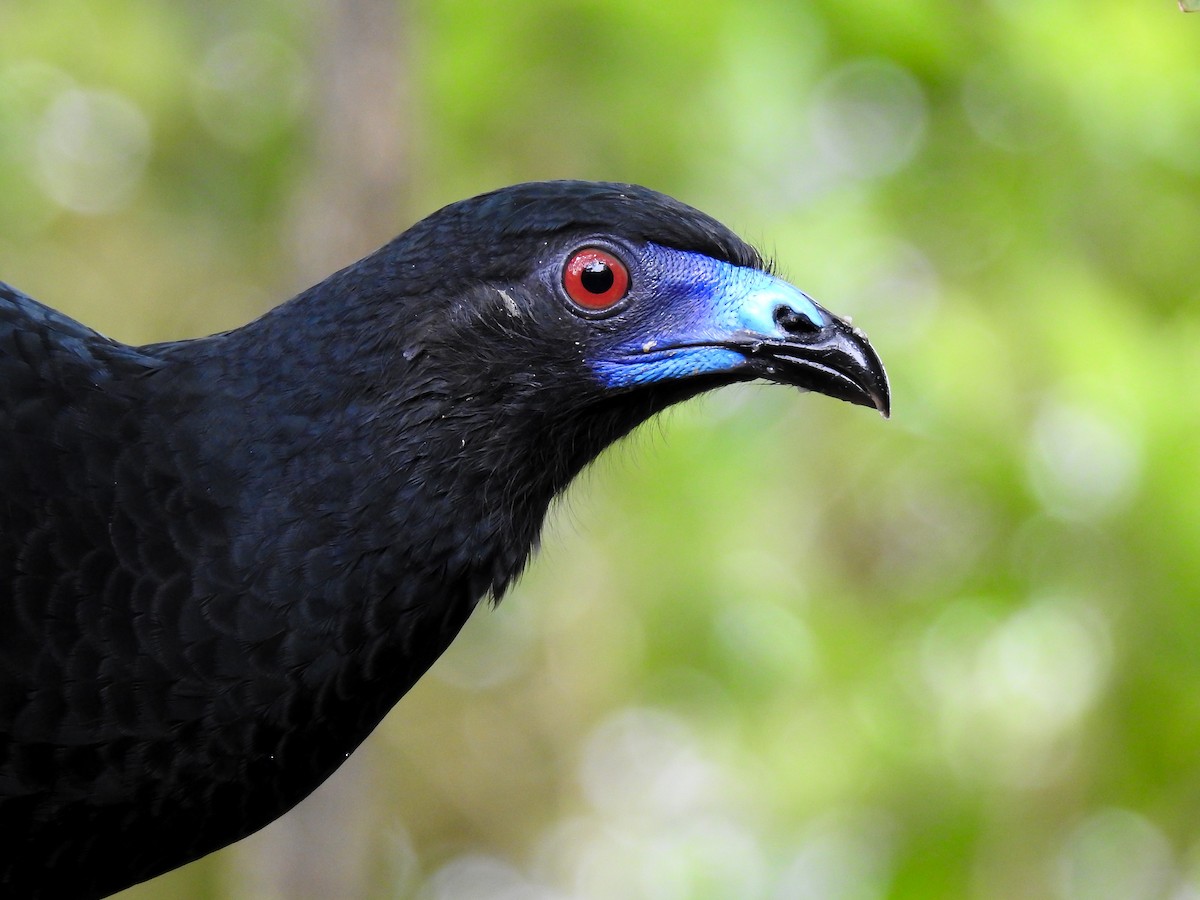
[{"x": 836, "y": 360}]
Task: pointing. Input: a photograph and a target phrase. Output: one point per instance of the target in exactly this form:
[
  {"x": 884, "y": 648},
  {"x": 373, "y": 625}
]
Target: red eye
[{"x": 595, "y": 279}]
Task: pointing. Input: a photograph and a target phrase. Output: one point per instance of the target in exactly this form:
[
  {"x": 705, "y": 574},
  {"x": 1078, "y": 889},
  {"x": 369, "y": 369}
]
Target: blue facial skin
[{"x": 685, "y": 304}]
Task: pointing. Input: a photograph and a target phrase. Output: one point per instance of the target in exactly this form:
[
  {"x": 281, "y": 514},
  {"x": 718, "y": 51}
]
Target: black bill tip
[{"x": 835, "y": 359}]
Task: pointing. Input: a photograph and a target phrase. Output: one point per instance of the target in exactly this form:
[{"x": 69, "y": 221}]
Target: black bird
[{"x": 223, "y": 560}]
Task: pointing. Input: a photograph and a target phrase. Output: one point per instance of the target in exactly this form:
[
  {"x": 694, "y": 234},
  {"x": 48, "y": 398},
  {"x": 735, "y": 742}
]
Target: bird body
[{"x": 223, "y": 560}]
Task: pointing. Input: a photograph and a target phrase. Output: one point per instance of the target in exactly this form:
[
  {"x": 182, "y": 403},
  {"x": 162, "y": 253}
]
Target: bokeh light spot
[
  {"x": 869, "y": 118},
  {"x": 92, "y": 149},
  {"x": 1115, "y": 855},
  {"x": 250, "y": 86},
  {"x": 1082, "y": 465}
]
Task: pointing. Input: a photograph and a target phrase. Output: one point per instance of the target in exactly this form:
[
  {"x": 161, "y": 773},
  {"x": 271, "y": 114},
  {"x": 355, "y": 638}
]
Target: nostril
[{"x": 793, "y": 322}]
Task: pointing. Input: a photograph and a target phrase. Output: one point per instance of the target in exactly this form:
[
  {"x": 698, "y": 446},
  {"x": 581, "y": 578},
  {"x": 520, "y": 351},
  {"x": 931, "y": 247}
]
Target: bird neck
[
  {"x": 365, "y": 500},
  {"x": 442, "y": 485}
]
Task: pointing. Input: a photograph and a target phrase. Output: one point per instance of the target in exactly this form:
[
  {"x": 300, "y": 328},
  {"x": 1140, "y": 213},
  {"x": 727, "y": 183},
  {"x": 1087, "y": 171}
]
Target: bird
[{"x": 223, "y": 560}]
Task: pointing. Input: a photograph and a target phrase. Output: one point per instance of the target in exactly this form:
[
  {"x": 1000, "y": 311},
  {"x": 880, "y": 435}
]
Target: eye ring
[{"x": 595, "y": 280}]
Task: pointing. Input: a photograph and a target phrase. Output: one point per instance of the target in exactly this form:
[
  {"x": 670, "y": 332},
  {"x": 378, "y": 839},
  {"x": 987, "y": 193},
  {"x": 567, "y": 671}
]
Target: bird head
[
  {"x": 499, "y": 345},
  {"x": 613, "y": 289}
]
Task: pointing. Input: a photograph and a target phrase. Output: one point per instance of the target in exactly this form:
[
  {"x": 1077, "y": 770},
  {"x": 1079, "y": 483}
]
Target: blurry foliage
[{"x": 773, "y": 647}]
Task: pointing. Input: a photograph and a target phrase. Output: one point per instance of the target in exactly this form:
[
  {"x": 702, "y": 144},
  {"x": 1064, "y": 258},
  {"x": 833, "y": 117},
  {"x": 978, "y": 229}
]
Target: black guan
[{"x": 223, "y": 560}]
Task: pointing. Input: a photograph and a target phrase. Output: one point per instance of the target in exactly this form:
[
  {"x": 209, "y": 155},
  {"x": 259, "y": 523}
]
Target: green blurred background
[{"x": 773, "y": 647}]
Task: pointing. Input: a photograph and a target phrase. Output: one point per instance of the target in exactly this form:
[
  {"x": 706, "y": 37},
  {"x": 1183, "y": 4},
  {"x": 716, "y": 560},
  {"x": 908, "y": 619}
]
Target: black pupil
[{"x": 596, "y": 277}]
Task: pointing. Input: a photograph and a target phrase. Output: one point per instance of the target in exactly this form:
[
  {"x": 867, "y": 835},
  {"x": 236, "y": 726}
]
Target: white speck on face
[
  {"x": 510, "y": 304},
  {"x": 648, "y": 346}
]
